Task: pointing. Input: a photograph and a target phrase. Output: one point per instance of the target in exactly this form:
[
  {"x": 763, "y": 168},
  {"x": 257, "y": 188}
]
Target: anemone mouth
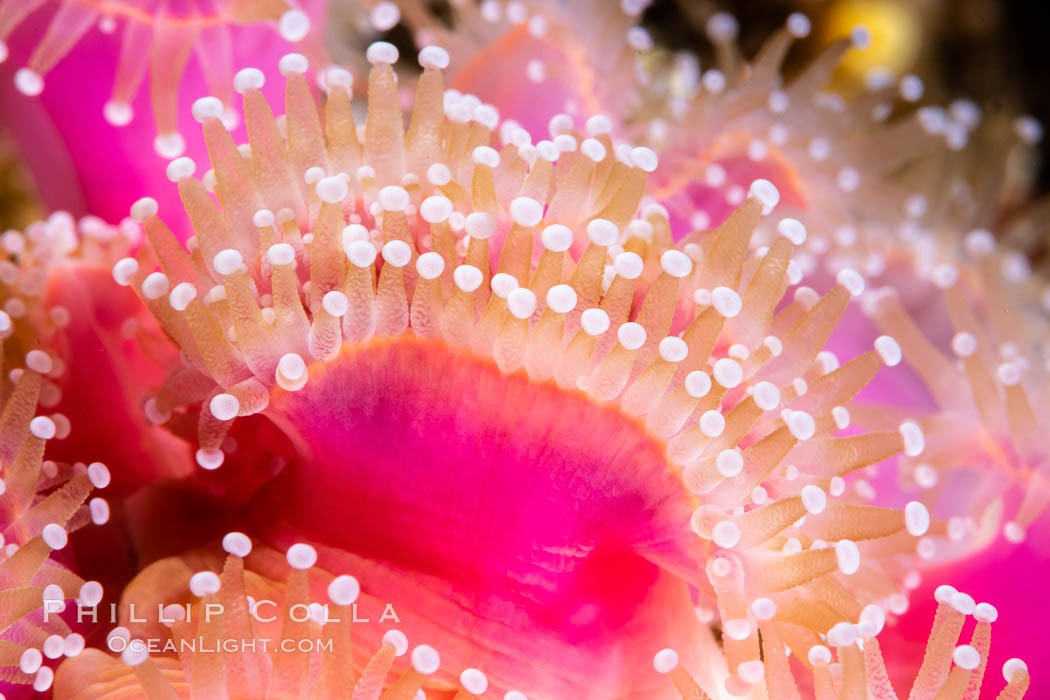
[
  {"x": 457, "y": 479},
  {"x": 412, "y": 424}
]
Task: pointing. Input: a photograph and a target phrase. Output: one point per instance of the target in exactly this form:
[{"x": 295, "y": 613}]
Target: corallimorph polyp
[{"x": 571, "y": 454}]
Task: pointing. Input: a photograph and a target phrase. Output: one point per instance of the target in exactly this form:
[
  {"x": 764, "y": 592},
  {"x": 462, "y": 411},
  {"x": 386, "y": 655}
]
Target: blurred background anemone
[
  {"x": 992, "y": 52},
  {"x": 989, "y": 51}
]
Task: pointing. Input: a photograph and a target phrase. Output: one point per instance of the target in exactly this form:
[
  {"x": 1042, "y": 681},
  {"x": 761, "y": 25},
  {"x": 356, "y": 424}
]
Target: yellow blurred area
[{"x": 896, "y": 36}]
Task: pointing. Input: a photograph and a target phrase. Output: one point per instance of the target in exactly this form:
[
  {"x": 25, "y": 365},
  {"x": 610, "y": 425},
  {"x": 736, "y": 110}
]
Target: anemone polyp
[
  {"x": 349, "y": 267},
  {"x": 856, "y": 665},
  {"x": 168, "y": 38},
  {"x": 42, "y": 503},
  {"x": 854, "y": 163},
  {"x": 45, "y": 500},
  {"x": 992, "y": 380}
]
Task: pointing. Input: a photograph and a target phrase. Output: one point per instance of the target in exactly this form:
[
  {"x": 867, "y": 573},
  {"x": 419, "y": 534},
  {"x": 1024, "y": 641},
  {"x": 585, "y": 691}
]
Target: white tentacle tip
[
  {"x": 382, "y": 52},
  {"x": 847, "y": 556},
  {"x": 169, "y": 145},
  {"x": 766, "y": 193},
  {"x": 144, "y": 209},
  {"x": 224, "y": 406},
  {"x": 1012, "y": 667},
  {"x": 665, "y": 660},
  {"x": 398, "y": 640},
  {"x": 29, "y": 82},
  {"x": 344, "y": 590},
  {"x": 433, "y": 57},
  {"x": 301, "y": 556},
  {"x": 207, "y": 108},
  {"x": 209, "y": 459},
  {"x": 473, "y": 681},
  {"x": 425, "y": 659},
  {"x": 54, "y": 536},
  {"x": 204, "y": 583},
  {"x": 237, "y": 544},
  {"x": 966, "y": 657},
  {"x": 889, "y": 350},
  {"x": 293, "y": 63},
  {"x": 248, "y": 79},
  {"x": 293, "y": 25}
]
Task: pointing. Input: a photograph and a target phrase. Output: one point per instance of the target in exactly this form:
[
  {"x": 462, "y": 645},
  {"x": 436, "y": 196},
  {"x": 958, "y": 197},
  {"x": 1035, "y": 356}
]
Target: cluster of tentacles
[
  {"x": 42, "y": 501},
  {"x": 341, "y": 258},
  {"x": 238, "y": 619},
  {"x": 519, "y": 418}
]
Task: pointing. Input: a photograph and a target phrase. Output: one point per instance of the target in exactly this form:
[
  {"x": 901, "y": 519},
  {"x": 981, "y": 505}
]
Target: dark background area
[{"x": 996, "y": 52}]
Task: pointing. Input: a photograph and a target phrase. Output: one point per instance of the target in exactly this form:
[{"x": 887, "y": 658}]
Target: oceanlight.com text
[{"x": 202, "y": 645}]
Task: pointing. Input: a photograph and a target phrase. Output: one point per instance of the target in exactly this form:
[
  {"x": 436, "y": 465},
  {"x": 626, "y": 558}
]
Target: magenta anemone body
[{"x": 512, "y": 517}]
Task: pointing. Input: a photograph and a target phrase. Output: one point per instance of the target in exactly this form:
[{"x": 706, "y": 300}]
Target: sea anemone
[
  {"x": 557, "y": 414},
  {"x": 995, "y": 386},
  {"x": 42, "y": 501},
  {"x": 615, "y": 422}
]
